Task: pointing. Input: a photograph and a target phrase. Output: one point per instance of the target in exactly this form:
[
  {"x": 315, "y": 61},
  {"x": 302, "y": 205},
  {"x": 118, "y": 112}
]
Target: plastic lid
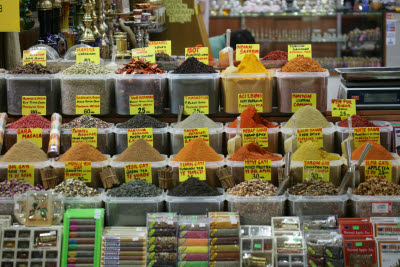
[
  {"x": 51, "y": 53},
  {"x": 71, "y": 53}
]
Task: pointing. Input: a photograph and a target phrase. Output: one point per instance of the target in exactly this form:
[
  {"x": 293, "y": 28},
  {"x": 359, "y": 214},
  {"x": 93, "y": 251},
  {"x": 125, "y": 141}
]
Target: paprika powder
[
  {"x": 377, "y": 152},
  {"x": 253, "y": 151},
  {"x": 357, "y": 121},
  {"x": 251, "y": 119}
]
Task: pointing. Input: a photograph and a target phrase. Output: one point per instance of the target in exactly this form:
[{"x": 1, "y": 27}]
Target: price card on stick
[
  {"x": 190, "y": 134},
  {"x": 307, "y": 134},
  {"x": 34, "y": 105},
  {"x": 343, "y": 108},
  {"x": 297, "y": 50},
  {"x": 34, "y": 56},
  {"x": 88, "y": 54},
  {"x": 24, "y": 172},
  {"x": 141, "y": 171},
  {"x": 255, "y": 135},
  {"x": 195, "y": 169},
  {"x": 141, "y": 104},
  {"x": 161, "y": 46},
  {"x": 196, "y": 104},
  {"x": 257, "y": 169},
  {"x": 378, "y": 168},
  {"x": 137, "y": 133},
  {"x": 243, "y": 49},
  {"x": 250, "y": 99},
  {"x": 81, "y": 170},
  {"x": 316, "y": 169},
  {"x": 200, "y": 53},
  {"x": 303, "y": 99},
  {"x": 365, "y": 134},
  {"x": 87, "y": 104},
  {"x": 145, "y": 53},
  {"x": 34, "y": 135}
]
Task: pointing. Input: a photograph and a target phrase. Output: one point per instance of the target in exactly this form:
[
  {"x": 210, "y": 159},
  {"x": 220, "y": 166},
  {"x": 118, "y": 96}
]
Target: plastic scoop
[
  {"x": 291, "y": 143},
  {"x": 349, "y": 138},
  {"x": 3, "y": 122},
  {"x": 231, "y": 68},
  {"x": 224, "y": 53},
  {"x": 180, "y": 114},
  {"x": 356, "y": 180},
  {"x": 284, "y": 184},
  {"x": 236, "y": 142}
]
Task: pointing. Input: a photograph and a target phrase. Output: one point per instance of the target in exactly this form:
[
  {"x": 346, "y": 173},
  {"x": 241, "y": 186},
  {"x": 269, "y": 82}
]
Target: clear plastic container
[
  {"x": 211, "y": 172},
  {"x": 302, "y": 82},
  {"x": 246, "y": 83},
  {"x": 257, "y": 210},
  {"x": 385, "y": 129},
  {"x": 131, "y": 211},
  {"x": 237, "y": 170},
  {"x": 328, "y": 135},
  {"x": 160, "y": 139},
  {"x": 7, "y": 206},
  {"x": 335, "y": 171},
  {"x": 11, "y": 136},
  {"x": 181, "y": 85},
  {"x": 374, "y": 206},
  {"x": 215, "y": 135},
  {"x": 273, "y": 64},
  {"x": 105, "y": 140},
  {"x": 37, "y": 167},
  {"x": 140, "y": 84},
  {"x": 84, "y": 202},
  {"x": 74, "y": 85},
  {"x": 194, "y": 205},
  {"x": 3, "y": 93},
  {"x": 273, "y": 134},
  {"x": 119, "y": 168},
  {"x": 19, "y": 85},
  {"x": 59, "y": 168},
  {"x": 321, "y": 205}
]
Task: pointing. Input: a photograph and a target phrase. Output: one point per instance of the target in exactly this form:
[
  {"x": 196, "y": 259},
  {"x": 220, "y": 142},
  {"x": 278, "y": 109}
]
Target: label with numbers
[
  {"x": 200, "y": 53},
  {"x": 250, "y": 99},
  {"x": 87, "y": 104},
  {"x": 141, "y": 104},
  {"x": 143, "y": 133},
  {"x": 257, "y": 169},
  {"x": 24, "y": 172},
  {"x": 310, "y": 134},
  {"x": 190, "y": 134},
  {"x": 303, "y": 99},
  {"x": 255, "y": 135},
  {"x": 365, "y": 134},
  {"x": 343, "y": 108},
  {"x": 34, "y": 105},
  {"x": 297, "y": 50},
  {"x": 34, "y": 56},
  {"x": 81, "y": 170},
  {"x": 378, "y": 168},
  {"x": 196, "y": 104},
  {"x": 243, "y": 49},
  {"x": 145, "y": 54},
  {"x": 161, "y": 46},
  {"x": 316, "y": 169},
  {"x": 32, "y": 134},
  {"x": 140, "y": 171},
  {"x": 381, "y": 207},
  {"x": 196, "y": 169},
  {"x": 86, "y": 135},
  {"x": 88, "y": 54}
]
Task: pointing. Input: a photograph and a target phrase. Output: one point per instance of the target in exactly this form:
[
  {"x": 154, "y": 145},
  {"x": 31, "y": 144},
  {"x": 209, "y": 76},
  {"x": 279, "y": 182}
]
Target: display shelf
[{"x": 301, "y": 14}]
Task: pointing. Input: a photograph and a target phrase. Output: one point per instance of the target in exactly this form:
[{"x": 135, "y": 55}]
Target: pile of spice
[
  {"x": 276, "y": 55},
  {"x": 141, "y": 121},
  {"x": 86, "y": 121},
  {"x": 138, "y": 66},
  {"x": 75, "y": 188},
  {"x": 253, "y": 188},
  {"x": 82, "y": 152},
  {"x": 251, "y": 119},
  {"x": 253, "y": 151},
  {"x": 314, "y": 187},
  {"x": 377, "y": 187},
  {"x": 197, "y": 120},
  {"x": 302, "y": 64},
  {"x": 308, "y": 117},
  {"x": 192, "y": 65},
  {"x": 311, "y": 151},
  {"x": 32, "y": 68},
  {"x": 24, "y": 151},
  {"x": 377, "y": 152},
  {"x": 17, "y": 187},
  {"x": 357, "y": 121},
  {"x": 163, "y": 57},
  {"x": 140, "y": 151},
  {"x": 139, "y": 188},
  {"x": 251, "y": 64},
  {"x": 197, "y": 150},
  {"x": 85, "y": 68},
  {"x": 193, "y": 187},
  {"x": 30, "y": 121}
]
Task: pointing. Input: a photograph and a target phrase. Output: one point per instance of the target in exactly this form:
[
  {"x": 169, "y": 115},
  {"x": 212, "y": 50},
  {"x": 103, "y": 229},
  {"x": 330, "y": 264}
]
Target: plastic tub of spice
[
  {"x": 95, "y": 202},
  {"x": 11, "y": 137},
  {"x": 7, "y": 206},
  {"x": 321, "y": 205},
  {"x": 37, "y": 166},
  {"x": 194, "y": 205},
  {"x": 3, "y": 91}
]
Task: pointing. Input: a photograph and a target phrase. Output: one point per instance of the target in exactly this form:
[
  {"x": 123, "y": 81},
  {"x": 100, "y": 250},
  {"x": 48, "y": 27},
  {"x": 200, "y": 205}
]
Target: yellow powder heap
[
  {"x": 308, "y": 117},
  {"x": 251, "y": 64},
  {"x": 197, "y": 150},
  {"x": 311, "y": 151}
]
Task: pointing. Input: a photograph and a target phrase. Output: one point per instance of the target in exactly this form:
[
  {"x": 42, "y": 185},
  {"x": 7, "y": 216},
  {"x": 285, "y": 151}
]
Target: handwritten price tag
[
  {"x": 257, "y": 169},
  {"x": 365, "y": 134},
  {"x": 196, "y": 104},
  {"x": 310, "y": 134},
  {"x": 34, "y": 56},
  {"x": 343, "y": 108},
  {"x": 141, "y": 104},
  {"x": 81, "y": 170},
  {"x": 195, "y": 169},
  {"x": 32, "y": 134},
  {"x": 190, "y": 134},
  {"x": 161, "y": 46},
  {"x": 255, "y": 135},
  {"x": 200, "y": 53},
  {"x": 87, "y": 104},
  {"x": 88, "y": 54},
  {"x": 145, "y": 54},
  {"x": 141, "y": 171},
  {"x": 297, "y": 50},
  {"x": 143, "y": 133},
  {"x": 378, "y": 168},
  {"x": 243, "y": 49},
  {"x": 316, "y": 169},
  {"x": 86, "y": 135},
  {"x": 34, "y": 105},
  {"x": 246, "y": 100},
  {"x": 300, "y": 100},
  {"x": 24, "y": 172}
]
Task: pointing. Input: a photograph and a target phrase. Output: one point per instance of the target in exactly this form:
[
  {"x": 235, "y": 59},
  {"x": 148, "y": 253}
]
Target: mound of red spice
[
  {"x": 30, "y": 121},
  {"x": 251, "y": 119},
  {"x": 253, "y": 151},
  {"x": 276, "y": 55},
  {"x": 357, "y": 121}
]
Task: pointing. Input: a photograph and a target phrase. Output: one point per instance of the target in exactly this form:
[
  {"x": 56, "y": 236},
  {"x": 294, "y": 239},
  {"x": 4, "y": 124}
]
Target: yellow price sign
[
  {"x": 303, "y": 99},
  {"x": 243, "y": 49},
  {"x": 343, "y": 108},
  {"x": 88, "y": 54},
  {"x": 250, "y": 99},
  {"x": 24, "y": 172},
  {"x": 141, "y": 104},
  {"x": 200, "y": 53},
  {"x": 255, "y": 135},
  {"x": 190, "y": 134},
  {"x": 34, "y": 56},
  {"x": 257, "y": 169},
  {"x": 196, "y": 169},
  {"x": 378, "y": 168},
  {"x": 34, "y": 105},
  {"x": 316, "y": 169},
  {"x": 298, "y": 50},
  {"x": 9, "y": 16},
  {"x": 143, "y": 133},
  {"x": 365, "y": 134},
  {"x": 145, "y": 53},
  {"x": 86, "y": 135},
  {"x": 140, "y": 171},
  {"x": 310, "y": 134},
  {"x": 81, "y": 170},
  {"x": 32, "y": 134},
  {"x": 196, "y": 104},
  {"x": 87, "y": 104},
  {"x": 161, "y": 46}
]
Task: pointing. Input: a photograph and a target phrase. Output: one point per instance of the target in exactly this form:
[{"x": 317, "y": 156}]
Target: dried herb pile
[
  {"x": 32, "y": 68},
  {"x": 377, "y": 187},
  {"x": 314, "y": 187}
]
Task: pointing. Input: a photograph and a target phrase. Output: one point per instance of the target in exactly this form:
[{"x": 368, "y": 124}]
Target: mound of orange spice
[
  {"x": 253, "y": 151},
  {"x": 302, "y": 64}
]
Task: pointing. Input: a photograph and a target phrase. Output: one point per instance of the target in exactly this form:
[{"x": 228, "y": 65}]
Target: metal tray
[{"x": 369, "y": 73}]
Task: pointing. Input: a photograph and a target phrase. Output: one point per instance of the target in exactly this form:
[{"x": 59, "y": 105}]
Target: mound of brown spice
[
  {"x": 302, "y": 64},
  {"x": 377, "y": 187},
  {"x": 24, "y": 151},
  {"x": 82, "y": 152}
]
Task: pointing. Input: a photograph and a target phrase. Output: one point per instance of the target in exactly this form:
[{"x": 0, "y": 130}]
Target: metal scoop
[{"x": 283, "y": 186}]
